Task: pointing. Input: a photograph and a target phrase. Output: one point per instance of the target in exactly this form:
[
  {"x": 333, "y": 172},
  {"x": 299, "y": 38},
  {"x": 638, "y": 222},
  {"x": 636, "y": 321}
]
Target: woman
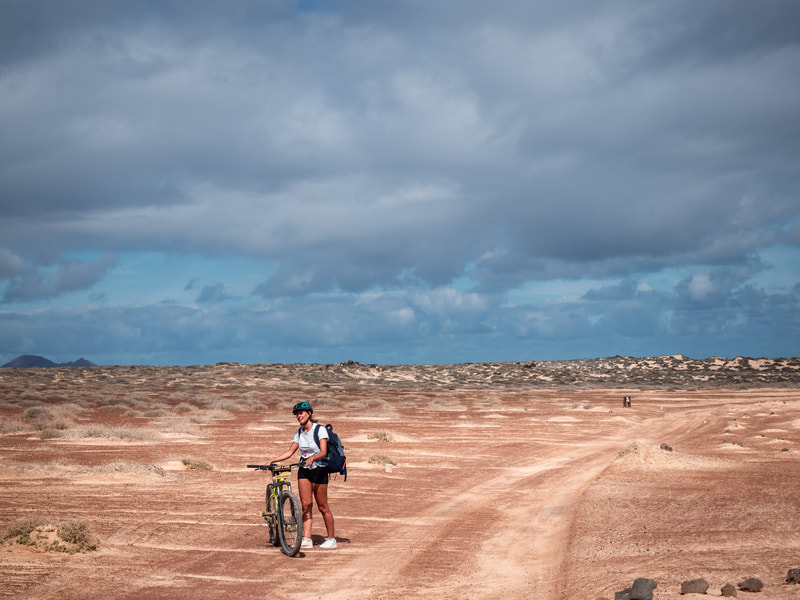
[{"x": 312, "y": 480}]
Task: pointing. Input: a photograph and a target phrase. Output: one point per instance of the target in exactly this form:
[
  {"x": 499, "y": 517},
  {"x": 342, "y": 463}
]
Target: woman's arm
[{"x": 292, "y": 449}]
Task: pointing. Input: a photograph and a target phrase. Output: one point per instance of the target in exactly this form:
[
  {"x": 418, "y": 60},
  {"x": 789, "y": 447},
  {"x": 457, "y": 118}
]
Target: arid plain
[{"x": 504, "y": 480}]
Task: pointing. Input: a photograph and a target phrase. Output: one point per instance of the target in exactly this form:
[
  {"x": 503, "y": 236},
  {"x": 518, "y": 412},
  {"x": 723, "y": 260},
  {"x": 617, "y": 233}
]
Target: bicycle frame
[
  {"x": 285, "y": 528},
  {"x": 280, "y": 481}
]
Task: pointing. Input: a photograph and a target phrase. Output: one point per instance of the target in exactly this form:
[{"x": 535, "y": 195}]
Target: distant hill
[{"x": 27, "y": 361}]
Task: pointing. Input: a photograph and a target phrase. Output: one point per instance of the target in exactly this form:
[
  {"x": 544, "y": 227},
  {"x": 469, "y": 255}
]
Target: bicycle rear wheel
[{"x": 290, "y": 523}]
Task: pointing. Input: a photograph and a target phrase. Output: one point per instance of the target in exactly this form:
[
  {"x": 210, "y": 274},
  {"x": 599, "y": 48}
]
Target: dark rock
[
  {"x": 793, "y": 576},
  {"x": 666, "y": 446},
  {"x": 751, "y": 585},
  {"x": 643, "y": 589},
  {"x": 694, "y": 586},
  {"x": 728, "y": 591},
  {"x": 623, "y": 595}
]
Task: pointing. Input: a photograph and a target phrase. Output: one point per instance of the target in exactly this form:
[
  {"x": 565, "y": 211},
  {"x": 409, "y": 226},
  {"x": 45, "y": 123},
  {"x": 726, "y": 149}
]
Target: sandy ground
[{"x": 546, "y": 494}]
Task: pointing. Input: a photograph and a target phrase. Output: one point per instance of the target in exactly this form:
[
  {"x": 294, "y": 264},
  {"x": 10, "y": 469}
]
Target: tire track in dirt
[
  {"x": 463, "y": 547},
  {"x": 504, "y": 537}
]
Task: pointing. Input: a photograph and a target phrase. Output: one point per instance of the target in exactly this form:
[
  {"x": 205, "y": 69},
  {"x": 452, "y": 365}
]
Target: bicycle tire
[
  {"x": 271, "y": 508},
  {"x": 290, "y": 523}
]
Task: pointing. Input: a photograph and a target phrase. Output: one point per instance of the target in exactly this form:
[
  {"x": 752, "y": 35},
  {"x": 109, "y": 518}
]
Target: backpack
[{"x": 335, "y": 461}]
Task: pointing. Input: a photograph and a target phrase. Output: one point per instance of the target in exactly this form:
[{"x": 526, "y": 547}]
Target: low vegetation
[
  {"x": 380, "y": 459},
  {"x": 37, "y": 534},
  {"x": 195, "y": 464}
]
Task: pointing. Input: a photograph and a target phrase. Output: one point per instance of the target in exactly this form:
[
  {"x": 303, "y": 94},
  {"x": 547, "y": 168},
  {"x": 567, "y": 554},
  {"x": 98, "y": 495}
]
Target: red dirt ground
[{"x": 547, "y": 494}]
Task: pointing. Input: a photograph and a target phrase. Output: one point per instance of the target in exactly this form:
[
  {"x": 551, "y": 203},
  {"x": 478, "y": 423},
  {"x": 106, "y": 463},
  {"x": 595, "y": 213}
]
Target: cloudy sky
[{"x": 406, "y": 181}]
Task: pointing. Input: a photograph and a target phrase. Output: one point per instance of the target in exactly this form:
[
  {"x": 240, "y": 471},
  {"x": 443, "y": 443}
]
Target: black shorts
[{"x": 318, "y": 475}]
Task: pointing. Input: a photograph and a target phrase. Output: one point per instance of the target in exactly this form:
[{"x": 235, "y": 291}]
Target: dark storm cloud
[
  {"x": 395, "y": 148},
  {"x": 564, "y": 129},
  {"x": 69, "y": 276}
]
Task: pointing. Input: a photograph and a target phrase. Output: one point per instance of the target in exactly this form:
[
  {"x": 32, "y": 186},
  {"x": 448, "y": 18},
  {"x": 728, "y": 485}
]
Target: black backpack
[{"x": 336, "y": 461}]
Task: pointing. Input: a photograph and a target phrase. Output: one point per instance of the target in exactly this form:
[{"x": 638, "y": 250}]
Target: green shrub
[
  {"x": 72, "y": 537},
  {"x": 21, "y": 533},
  {"x": 77, "y": 533}
]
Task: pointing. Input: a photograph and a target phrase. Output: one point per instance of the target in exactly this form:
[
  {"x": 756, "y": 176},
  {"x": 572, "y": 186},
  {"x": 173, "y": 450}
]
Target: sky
[{"x": 398, "y": 182}]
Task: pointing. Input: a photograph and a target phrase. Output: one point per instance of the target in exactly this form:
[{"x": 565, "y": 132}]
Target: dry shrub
[
  {"x": 120, "y": 466},
  {"x": 380, "y": 459},
  {"x": 178, "y": 425},
  {"x": 381, "y": 436},
  {"x": 11, "y": 425},
  {"x": 195, "y": 464},
  {"x": 118, "y": 401},
  {"x": 49, "y": 434},
  {"x": 218, "y": 414},
  {"x": 156, "y": 413},
  {"x": 37, "y": 412},
  {"x": 118, "y": 432},
  {"x": 49, "y": 417},
  {"x": 217, "y": 403}
]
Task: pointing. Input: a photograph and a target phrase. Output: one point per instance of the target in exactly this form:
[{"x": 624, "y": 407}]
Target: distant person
[{"x": 312, "y": 479}]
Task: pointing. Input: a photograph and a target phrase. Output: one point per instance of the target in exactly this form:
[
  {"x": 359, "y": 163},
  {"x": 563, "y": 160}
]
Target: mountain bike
[{"x": 282, "y": 513}]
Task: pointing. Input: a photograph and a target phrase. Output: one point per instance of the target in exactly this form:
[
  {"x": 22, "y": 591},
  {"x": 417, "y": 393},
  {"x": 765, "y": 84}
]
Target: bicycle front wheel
[{"x": 290, "y": 523}]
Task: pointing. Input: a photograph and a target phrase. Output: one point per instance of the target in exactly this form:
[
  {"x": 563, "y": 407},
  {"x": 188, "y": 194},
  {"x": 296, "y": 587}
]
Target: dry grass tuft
[
  {"x": 107, "y": 432},
  {"x": 119, "y": 466},
  {"x": 380, "y": 459},
  {"x": 380, "y": 436},
  {"x": 195, "y": 464}
]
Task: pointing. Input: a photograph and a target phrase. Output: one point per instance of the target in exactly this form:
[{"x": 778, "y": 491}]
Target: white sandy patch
[
  {"x": 101, "y": 442},
  {"x": 110, "y": 478},
  {"x": 265, "y": 428},
  {"x": 780, "y": 442},
  {"x": 173, "y": 465}
]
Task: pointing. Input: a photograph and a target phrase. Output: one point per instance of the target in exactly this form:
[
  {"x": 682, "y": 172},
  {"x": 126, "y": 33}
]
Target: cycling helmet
[{"x": 302, "y": 406}]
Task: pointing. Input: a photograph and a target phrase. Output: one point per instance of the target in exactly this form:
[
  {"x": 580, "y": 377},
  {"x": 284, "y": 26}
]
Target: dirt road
[{"x": 548, "y": 495}]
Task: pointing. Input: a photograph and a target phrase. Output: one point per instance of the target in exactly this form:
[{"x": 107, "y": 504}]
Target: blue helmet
[{"x": 302, "y": 406}]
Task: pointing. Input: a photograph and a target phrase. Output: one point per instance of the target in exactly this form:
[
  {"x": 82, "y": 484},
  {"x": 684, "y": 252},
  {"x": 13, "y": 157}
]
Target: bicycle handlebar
[{"x": 272, "y": 466}]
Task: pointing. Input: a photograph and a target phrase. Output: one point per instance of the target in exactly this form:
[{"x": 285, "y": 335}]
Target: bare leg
[
  {"x": 306, "y": 501},
  {"x": 321, "y": 496}
]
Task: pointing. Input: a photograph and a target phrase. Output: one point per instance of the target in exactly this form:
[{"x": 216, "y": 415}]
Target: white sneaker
[
  {"x": 307, "y": 543},
  {"x": 328, "y": 544}
]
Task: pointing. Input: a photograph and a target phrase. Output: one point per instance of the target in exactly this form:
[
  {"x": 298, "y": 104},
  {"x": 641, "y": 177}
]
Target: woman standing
[{"x": 312, "y": 479}]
